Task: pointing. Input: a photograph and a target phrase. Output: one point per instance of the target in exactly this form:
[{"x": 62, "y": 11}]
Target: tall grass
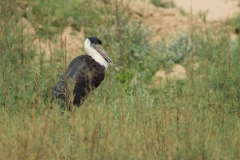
[{"x": 196, "y": 118}]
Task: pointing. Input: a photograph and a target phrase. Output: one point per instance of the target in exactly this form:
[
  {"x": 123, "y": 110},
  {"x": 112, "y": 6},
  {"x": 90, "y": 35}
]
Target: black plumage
[{"x": 83, "y": 74}]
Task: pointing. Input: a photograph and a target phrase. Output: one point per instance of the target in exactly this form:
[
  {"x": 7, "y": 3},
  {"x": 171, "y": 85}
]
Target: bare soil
[
  {"x": 165, "y": 21},
  {"x": 216, "y": 9}
]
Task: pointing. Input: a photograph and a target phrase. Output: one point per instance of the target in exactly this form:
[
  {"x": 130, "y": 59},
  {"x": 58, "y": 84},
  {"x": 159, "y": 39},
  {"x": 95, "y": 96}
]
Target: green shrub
[{"x": 178, "y": 49}]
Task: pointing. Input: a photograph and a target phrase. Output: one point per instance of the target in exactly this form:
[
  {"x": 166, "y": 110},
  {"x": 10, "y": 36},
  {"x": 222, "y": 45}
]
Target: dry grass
[{"x": 194, "y": 118}]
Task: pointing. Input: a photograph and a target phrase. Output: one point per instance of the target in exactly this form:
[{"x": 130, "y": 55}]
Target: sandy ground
[
  {"x": 216, "y": 9},
  {"x": 165, "y": 21}
]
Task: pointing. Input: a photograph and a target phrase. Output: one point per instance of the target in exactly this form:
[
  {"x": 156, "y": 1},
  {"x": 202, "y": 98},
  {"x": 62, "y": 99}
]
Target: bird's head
[{"x": 93, "y": 48}]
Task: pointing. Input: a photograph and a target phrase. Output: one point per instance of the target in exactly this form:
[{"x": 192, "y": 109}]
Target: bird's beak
[
  {"x": 106, "y": 57},
  {"x": 103, "y": 53}
]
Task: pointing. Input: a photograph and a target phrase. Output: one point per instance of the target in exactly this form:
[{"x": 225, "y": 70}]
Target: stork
[{"x": 84, "y": 73}]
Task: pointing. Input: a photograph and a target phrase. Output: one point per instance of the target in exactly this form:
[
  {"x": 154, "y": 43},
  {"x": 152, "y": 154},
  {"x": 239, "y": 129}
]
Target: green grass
[
  {"x": 163, "y": 3},
  {"x": 125, "y": 118}
]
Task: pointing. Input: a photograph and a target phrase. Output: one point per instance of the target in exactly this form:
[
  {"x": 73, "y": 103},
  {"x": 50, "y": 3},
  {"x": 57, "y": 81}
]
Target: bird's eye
[{"x": 95, "y": 43}]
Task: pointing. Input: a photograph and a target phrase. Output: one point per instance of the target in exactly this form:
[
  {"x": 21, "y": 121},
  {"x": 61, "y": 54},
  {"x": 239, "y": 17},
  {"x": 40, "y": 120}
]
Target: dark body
[{"x": 85, "y": 73}]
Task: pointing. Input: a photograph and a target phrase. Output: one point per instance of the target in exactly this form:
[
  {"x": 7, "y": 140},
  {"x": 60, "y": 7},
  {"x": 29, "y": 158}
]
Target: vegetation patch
[
  {"x": 163, "y": 3},
  {"x": 125, "y": 118}
]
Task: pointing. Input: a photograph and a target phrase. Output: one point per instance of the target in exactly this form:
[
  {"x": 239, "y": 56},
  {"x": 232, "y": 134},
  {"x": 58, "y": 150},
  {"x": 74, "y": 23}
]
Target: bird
[{"x": 84, "y": 74}]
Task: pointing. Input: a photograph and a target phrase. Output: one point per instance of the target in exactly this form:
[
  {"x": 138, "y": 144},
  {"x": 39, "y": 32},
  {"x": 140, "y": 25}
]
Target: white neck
[{"x": 94, "y": 54}]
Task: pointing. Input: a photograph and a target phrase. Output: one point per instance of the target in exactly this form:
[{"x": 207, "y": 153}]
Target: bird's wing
[{"x": 77, "y": 66}]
